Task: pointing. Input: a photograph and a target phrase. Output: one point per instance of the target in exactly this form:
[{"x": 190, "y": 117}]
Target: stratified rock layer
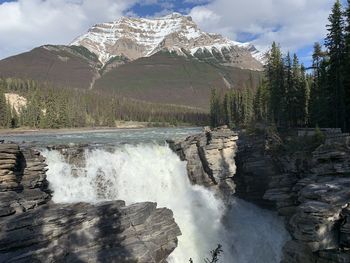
[
  {"x": 107, "y": 232},
  {"x": 210, "y": 159},
  {"x": 34, "y": 229},
  {"x": 311, "y": 189},
  {"x": 23, "y": 184}
]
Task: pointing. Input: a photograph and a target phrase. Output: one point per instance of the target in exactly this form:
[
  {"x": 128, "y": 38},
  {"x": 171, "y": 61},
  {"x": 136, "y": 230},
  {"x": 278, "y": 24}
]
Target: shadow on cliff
[
  {"x": 64, "y": 233},
  {"x": 39, "y": 230},
  {"x": 109, "y": 236}
]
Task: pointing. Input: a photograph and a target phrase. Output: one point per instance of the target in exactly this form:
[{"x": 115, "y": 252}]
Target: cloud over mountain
[
  {"x": 26, "y": 24},
  {"x": 294, "y": 24},
  {"x": 29, "y": 23}
]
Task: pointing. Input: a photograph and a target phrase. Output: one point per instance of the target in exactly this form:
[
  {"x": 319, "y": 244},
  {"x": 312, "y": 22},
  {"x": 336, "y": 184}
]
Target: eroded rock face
[
  {"x": 106, "y": 232},
  {"x": 210, "y": 159},
  {"x": 254, "y": 170},
  {"x": 34, "y": 229},
  {"x": 311, "y": 190},
  {"x": 23, "y": 184}
]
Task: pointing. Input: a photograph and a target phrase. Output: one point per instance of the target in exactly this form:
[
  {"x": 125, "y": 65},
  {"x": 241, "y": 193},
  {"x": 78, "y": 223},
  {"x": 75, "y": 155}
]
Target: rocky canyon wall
[
  {"x": 34, "y": 229},
  {"x": 210, "y": 159},
  {"x": 309, "y": 187}
]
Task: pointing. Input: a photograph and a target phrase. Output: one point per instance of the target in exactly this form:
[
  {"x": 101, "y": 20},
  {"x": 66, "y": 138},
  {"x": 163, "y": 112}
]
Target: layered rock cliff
[
  {"x": 210, "y": 159},
  {"x": 23, "y": 184},
  {"x": 34, "y": 229},
  {"x": 305, "y": 179},
  {"x": 309, "y": 186}
]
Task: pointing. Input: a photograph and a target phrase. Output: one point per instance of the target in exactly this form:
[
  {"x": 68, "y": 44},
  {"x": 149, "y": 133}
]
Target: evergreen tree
[
  {"x": 290, "y": 86},
  {"x": 215, "y": 109},
  {"x": 260, "y": 103},
  {"x": 55, "y": 108},
  {"x": 5, "y": 114},
  {"x": 275, "y": 78},
  {"x": 110, "y": 118},
  {"x": 335, "y": 44},
  {"x": 227, "y": 110},
  {"x": 8, "y": 116},
  {"x": 346, "y": 71},
  {"x": 62, "y": 114},
  {"x": 14, "y": 119},
  {"x": 32, "y": 113},
  {"x": 3, "y": 109},
  {"x": 51, "y": 114},
  {"x": 248, "y": 97},
  {"x": 319, "y": 106},
  {"x": 303, "y": 98}
]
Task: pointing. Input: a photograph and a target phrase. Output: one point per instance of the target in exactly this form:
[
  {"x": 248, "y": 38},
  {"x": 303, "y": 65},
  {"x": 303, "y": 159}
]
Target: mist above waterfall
[{"x": 151, "y": 172}]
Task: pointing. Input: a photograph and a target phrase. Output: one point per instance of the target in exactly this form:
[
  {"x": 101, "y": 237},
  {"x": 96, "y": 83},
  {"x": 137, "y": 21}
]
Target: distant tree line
[
  {"x": 235, "y": 108},
  {"x": 48, "y": 107},
  {"x": 289, "y": 96}
]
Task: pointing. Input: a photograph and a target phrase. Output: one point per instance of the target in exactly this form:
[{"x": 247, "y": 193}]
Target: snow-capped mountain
[{"x": 134, "y": 38}]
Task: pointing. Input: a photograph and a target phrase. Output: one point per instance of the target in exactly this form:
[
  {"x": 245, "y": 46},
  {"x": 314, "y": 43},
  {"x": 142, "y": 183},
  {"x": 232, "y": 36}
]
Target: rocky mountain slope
[
  {"x": 134, "y": 38},
  {"x": 166, "y": 60},
  {"x": 173, "y": 79},
  {"x": 60, "y": 66}
]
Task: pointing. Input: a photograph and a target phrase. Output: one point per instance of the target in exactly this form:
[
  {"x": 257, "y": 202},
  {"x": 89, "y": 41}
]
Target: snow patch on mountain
[{"x": 141, "y": 37}]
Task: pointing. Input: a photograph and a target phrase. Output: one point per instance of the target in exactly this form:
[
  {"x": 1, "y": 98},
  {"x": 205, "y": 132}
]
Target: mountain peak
[
  {"x": 176, "y": 15},
  {"x": 134, "y": 38}
]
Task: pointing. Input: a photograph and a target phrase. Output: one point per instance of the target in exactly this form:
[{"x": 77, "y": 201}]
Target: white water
[{"x": 151, "y": 172}]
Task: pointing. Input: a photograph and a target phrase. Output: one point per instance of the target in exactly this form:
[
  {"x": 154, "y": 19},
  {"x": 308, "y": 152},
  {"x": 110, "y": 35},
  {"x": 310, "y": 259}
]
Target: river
[{"x": 137, "y": 166}]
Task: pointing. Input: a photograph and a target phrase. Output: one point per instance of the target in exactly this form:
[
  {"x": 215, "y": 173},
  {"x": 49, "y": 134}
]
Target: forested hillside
[
  {"x": 48, "y": 107},
  {"x": 290, "y": 95},
  {"x": 168, "y": 78}
]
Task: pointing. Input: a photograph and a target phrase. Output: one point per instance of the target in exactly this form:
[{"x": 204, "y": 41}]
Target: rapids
[{"x": 152, "y": 172}]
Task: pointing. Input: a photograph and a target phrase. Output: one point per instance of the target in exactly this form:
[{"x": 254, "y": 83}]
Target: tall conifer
[
  {"x": 275, "y": 78},
  {"x": 347, "y": 65},
  {"x": 335, "y": 44}
]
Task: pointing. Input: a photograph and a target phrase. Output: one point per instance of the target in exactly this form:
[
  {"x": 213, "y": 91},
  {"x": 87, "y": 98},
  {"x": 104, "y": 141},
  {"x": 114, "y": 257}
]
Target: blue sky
[{"x": 296, "y": 24}]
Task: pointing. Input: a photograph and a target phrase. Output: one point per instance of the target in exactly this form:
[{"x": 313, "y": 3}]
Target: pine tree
[
  {"x": 346, "y": 71},
  {"x": 227, "y": 110},
  {"x": 32, "y": 113},
  {"x": 110, "y": 118},
  {"x": 303, "y": 98},
  {"x": 260, "y": 103},
  {"x": 62, "y": 114},
  {"x": 275, "y": 78},
  {"x": 319, "y": 106},
  {"x": 248, "y": 100},
  {"x": 290, "y": 93},
  {"x": 215, "y": 109},
  {"x": 8, "y": 116},
  {"x": 335, "y": 44},
  {"x": 14, "y": 119},
  {"x": 3, "y": 109},
  {"x": 51, "y": 114}
]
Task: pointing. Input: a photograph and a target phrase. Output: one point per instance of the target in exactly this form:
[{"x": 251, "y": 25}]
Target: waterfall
[{"x": 152, "y": 172}]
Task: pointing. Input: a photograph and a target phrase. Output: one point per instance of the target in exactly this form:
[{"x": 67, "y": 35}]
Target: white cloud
[
  {"x": 29, "y": 23},
  {"x": 26, "y": 24},
  {"x": 197, "y": 1},
  {"x": 294, "y": 24}
]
